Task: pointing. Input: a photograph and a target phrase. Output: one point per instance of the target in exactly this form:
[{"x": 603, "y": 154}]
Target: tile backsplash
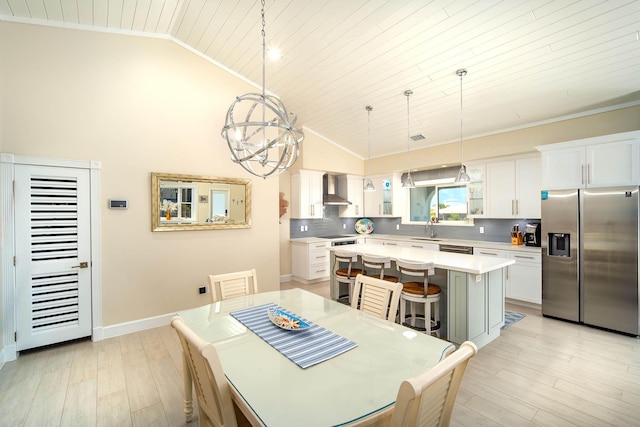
[{"x": 495, "y": 230}]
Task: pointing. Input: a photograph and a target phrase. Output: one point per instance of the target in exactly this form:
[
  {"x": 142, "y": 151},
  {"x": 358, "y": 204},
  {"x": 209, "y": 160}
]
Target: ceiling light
[
  {"x": 262, "y": 147},
  {"x": 462, "y": 174},
  {"x": 408, "y": 183},
  {"x": 368, "y": 185}
]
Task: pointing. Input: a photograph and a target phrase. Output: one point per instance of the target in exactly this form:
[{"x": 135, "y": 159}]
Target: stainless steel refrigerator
[{"x": 590, "y": 257}]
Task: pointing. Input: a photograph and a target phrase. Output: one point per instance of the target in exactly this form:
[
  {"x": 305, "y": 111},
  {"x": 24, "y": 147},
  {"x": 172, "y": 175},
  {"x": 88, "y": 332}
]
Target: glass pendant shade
[
  {"x": 462, "y": 175},
  {"x": 368, "y": 185},
  {"x": 262, "y": 146},
  {"x": 408, "y": 183}
]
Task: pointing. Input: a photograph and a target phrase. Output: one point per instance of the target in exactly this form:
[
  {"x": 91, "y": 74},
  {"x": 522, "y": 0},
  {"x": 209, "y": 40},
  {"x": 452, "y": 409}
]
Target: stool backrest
[
  {"x": 347, "y": 257},
  {"x": 416, "y": 269},
  {"x": 377, "y": 262}
]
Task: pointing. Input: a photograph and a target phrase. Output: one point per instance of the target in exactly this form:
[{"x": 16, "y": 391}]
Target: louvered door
[{"x": 53, "y": 280}]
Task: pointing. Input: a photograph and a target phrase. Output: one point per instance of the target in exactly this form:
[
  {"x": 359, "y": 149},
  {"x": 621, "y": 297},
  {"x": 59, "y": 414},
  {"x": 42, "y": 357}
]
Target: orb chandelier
[
  {"x": 408, "y": 183},
  {"x": 368, "y": 185},
  {"x": 262, "y": 146},
  {"x": 462, "y": 173}
]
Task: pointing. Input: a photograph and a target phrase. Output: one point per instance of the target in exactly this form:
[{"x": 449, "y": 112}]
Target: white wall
[{"x": 137, "y": 105}]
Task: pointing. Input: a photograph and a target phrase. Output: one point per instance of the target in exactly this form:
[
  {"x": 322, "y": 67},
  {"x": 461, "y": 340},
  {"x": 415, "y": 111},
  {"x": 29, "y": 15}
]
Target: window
[
  {"x": 448, "y": 203},
  {"x": 179, "y": 199}
]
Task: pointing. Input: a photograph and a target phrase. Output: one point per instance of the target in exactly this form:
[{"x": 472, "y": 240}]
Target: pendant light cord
[
  {"x": 369, "y": 108},
  {"x": 408, "y": 93},
  {"x": 462, "y": 72}
]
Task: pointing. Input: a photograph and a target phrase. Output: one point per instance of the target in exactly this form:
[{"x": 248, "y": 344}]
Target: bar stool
[
  {"x": 346, "y": 275},
  {"x": 378, "y": 263},
  {"x": 420, "y": 293}
]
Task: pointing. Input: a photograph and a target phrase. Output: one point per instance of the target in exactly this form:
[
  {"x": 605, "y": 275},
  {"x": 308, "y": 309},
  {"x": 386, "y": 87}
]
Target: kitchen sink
[{"x": 428, "y": 239}]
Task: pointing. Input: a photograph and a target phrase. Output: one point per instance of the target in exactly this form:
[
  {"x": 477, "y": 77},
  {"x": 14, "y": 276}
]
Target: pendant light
[
  {"x": 368, "y": 185},
  {"x": 249, "y": 141},
  {"x": 408, "y": 183},
  {"x": 462, "y": 173}
]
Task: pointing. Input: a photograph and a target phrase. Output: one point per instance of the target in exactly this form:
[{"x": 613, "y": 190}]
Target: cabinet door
[
  {"x": 524, "y": 278},
  {"x": 306, "y": 195},
  {"x": 350, "y": 187},
  {"x": 563, "y": 169},
  {"x": 612, "y": 164},
  {"x": 528, "y": 177},
  {"x": 379, "y": 203},
  {"x": 501, "y": 189},
  {"x": 476, "y": 191}
]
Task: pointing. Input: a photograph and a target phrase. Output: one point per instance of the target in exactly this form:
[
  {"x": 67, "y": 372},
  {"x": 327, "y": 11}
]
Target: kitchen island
[{"x": 472, "y": 298}]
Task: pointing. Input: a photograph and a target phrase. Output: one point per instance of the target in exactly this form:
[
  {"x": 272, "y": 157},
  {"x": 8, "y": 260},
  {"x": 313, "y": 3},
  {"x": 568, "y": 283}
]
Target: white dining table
[{"x": 360, "y": 384}]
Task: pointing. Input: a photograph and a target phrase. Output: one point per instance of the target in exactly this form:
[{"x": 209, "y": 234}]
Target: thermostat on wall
[{"x": 118, "y": 204}]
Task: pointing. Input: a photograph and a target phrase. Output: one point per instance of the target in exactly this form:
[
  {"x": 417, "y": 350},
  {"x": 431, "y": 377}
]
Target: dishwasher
[{"x": 467, "y": 250}]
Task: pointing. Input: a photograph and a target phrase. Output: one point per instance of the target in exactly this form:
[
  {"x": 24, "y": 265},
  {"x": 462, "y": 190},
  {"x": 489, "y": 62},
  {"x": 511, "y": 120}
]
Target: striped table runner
[{"x": 304, "y": 348}]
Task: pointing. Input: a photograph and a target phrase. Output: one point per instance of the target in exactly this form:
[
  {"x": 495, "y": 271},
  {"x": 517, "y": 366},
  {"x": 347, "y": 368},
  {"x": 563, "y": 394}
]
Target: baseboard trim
[
  {"x": 286, "y": 278},
  {"x": 8, "y": 354},
  {"x": 131, "y": 327},
  {"x": 527, "y": 304}
]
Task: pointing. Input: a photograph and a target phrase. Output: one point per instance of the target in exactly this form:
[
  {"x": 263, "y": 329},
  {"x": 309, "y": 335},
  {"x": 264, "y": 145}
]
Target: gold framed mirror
[{"x": 193, "y": 202}]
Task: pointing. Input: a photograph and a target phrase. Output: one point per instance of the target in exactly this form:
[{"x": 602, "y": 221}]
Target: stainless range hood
[{"x": 330, "y": 192}]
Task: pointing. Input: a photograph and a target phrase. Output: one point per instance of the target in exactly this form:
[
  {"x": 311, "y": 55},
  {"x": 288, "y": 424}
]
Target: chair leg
[
  {"x": 436, "y": 316},
  {"x": 413, "y": 313},
  {"x": 427, "y": 317}
]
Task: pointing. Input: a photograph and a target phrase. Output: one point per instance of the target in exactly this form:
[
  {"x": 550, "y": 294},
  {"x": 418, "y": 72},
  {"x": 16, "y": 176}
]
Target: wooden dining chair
[
  {"x": 233, "y": 285},
  {"x": 427, "y": 400},
  {"x": 376, "y": 296},
  {"x": 215, "y": 407}
]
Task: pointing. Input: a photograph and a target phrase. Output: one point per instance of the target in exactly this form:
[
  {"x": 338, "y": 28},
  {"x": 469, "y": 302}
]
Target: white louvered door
[{"x": 53, "y": 255}]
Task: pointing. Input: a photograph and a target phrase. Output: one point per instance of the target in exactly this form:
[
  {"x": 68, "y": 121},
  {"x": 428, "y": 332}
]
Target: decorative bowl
[{"x": 286, "y": 321}]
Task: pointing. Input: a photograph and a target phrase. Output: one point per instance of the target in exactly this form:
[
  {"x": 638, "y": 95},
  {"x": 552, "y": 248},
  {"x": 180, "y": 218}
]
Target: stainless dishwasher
[{"x": 467, "y": 250}]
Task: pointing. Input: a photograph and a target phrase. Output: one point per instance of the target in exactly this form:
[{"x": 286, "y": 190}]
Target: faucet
[{"x": 429, "y": 227}]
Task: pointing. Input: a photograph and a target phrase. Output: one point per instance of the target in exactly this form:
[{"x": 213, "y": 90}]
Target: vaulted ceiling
[{"x": 528, "y": 61}]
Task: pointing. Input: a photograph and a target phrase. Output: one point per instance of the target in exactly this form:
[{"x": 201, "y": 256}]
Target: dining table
[{"x": 353, "y": 387}]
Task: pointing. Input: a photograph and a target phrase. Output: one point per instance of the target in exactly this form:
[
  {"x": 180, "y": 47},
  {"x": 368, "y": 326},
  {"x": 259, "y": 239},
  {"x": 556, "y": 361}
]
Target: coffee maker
[{"x": 532, "y": 235}]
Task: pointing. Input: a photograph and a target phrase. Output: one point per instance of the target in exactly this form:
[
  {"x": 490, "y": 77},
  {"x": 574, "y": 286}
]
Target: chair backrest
[
  {"x": 427, "y": 400},
  {"x": 233, "y": 285},
  {"x": 377, "y": 262},
  {"x": 417, "y": 269},
  {"x": 378, "y": 297},
  {"x": 212, "y": 389}
]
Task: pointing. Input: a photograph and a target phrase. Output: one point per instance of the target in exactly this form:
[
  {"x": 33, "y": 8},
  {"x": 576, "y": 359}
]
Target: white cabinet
[
  {"x": 476, "y": 191},
  {"x": 310, "y": 261},
  {"x": 604, "y": 161},
  {"x": 306, "y": 194},
  {"x": 421, "y": 245},
  {"x": 385, "y": 200},
  {"x": 524, "y": 278},
  {"x": 513, "y": 188},
  {"x": 350, "y": 188}
]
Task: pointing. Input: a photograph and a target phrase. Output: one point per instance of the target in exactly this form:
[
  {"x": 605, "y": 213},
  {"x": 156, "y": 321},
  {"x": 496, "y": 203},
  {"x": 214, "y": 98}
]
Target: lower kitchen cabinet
[
  {"x": 310, "y": 261},
  {"x": 524, "y": 278}
]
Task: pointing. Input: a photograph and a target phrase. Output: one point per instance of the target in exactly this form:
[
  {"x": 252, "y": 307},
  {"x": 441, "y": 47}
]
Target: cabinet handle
[
  {"x": 512, "y": 210},
  {"x": 379, "y": 209},
  {"x": 320, "y": 271},
  {"x": 582, "y": 174},
  {"x": 321, "y": 256},
  {"x": 589, "y": 173},
  {"x": 487, "y": 253},
  {"x": 523, "y": 257},
  {"x": 357, "y": 210},
  {"x": 517, "y": 206}
]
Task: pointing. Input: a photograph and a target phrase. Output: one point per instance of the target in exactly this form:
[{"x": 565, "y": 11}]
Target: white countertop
[
  {"x": 473, "y": 264},
  {"x": 417, "y": 239}
]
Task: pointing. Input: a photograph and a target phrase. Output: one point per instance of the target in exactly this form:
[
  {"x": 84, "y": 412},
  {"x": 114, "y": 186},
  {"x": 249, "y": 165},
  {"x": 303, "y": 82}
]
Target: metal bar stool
[
  {"x": 346, "y": 275},
  {"x": 420, "y": 293}
]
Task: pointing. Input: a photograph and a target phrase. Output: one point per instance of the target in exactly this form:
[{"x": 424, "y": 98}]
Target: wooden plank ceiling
[{"x": 528, "y": 61}]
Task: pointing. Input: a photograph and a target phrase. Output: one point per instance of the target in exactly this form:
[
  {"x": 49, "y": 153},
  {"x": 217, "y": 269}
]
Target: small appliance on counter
[{"x": 532, "y": 235}]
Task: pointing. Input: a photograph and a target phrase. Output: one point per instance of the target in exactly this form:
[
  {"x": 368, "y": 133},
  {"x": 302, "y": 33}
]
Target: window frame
[{"x": 437, "y": 186}]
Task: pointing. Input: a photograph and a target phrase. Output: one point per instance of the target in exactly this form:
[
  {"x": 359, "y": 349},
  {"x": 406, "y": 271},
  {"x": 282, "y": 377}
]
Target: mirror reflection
[{"x": 191, "y": 202}]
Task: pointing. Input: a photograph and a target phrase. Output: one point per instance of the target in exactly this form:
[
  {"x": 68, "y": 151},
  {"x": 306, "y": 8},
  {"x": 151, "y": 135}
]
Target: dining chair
[
  {"x": 215, "y": 407},
  {"x": 233, "y": 285},
  {"x": 427, "y": 400},
  {"x": 376, "y": 296}
]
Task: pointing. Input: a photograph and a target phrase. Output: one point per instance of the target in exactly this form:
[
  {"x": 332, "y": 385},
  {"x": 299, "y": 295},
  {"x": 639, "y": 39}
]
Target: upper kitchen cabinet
[
  {"x": 350, "y": 188},
  {"x": 513, "y": 188},
  {"x": 476, "y": 190},
  {"x": 306, "y": 194},
  {"x": 603, "y": 161},
  {"x": 385, "y": 201}
]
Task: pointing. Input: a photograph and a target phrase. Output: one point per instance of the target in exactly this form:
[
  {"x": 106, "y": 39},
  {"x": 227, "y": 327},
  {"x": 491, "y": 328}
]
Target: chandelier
[
  {"x": 262, "y": 146},
  {"x": 462, "y": 173}
]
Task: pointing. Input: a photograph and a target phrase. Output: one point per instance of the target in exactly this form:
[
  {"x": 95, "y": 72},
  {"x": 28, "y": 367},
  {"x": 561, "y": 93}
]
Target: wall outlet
[
  {"x": 481, "y": 230},
  {"x": 202, "y": 290},
  {"x": 344, "y": 226},
  {"x": 302, "y": 228},
  {"x": 397, "y": 226},
  {"x": 306, "y": 228}
]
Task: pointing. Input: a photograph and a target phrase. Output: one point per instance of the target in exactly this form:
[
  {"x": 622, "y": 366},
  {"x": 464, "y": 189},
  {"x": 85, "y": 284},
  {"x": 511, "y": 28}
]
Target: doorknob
[{"x": 82, "y": 265}]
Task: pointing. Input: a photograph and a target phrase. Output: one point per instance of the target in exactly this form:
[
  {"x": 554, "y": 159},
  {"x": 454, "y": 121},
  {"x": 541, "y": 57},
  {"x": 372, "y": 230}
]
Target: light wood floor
[{"x": 539, "y": 372}]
